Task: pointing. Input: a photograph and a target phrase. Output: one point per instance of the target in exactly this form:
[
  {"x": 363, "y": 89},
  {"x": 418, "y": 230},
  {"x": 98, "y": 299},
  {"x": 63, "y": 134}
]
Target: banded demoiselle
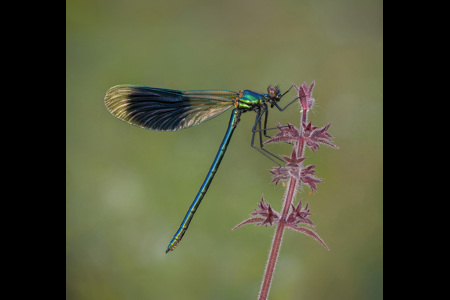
[{"x": 169, "y": 110}]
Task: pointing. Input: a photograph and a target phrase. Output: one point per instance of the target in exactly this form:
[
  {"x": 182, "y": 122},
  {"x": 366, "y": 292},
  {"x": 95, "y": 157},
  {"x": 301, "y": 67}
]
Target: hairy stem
[
  {"x": 288, "y": 198},
  {"x": 276, "y": 242}
]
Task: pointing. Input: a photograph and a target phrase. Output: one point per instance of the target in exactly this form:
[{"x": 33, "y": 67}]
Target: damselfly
[{"x": 169, "y": 110}]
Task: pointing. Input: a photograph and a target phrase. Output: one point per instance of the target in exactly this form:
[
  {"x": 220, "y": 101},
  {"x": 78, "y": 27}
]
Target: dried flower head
[
  {"x": 268, "y": 216},
  {"x": 305, "y": 95}
]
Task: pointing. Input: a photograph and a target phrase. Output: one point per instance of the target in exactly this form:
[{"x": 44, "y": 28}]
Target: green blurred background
[{"x": 129, "y": 188}]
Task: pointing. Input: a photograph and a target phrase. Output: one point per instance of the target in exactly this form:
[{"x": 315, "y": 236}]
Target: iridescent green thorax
[{"x": 247, "y": 99}]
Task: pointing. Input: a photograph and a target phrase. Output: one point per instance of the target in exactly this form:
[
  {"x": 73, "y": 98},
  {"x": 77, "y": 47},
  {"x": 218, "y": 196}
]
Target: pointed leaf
[
  {"x": 308, "y": 232},
  {"x": 248, "y": 221}
]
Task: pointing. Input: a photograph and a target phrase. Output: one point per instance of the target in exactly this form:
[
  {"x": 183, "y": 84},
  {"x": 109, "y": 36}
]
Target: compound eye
[{"x": 272, "y": 91}]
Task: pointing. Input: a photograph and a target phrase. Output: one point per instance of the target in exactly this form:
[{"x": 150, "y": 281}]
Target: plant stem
[
  {"x": 276, "y": 243},
  {"x": 289, "y": 196}
]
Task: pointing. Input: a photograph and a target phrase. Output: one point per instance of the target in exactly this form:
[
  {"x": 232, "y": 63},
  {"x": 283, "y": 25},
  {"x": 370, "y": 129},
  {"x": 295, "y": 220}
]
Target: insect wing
[{"x": 166, "y": 109}]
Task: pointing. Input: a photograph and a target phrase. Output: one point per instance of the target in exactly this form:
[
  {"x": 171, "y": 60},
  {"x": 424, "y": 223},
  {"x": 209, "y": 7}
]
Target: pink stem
[{"x": 276, "y": 243}]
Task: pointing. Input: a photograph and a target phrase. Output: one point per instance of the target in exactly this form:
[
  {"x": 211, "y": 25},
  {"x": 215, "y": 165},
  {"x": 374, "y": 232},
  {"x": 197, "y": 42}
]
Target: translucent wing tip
[{"x": 116, "y": 99}]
